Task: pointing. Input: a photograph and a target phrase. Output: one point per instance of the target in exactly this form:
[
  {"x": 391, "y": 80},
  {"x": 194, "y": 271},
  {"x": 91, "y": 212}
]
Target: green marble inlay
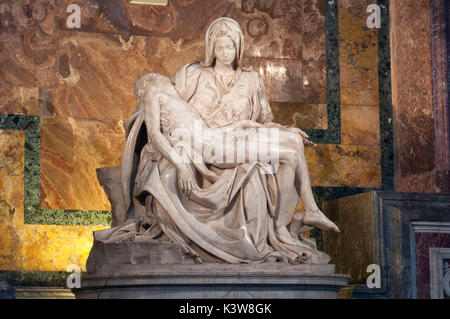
[
  {"x": 31, "y": 125},
  {"x": 35, "y": 278},
  {"x": 385, "y": 92},
  {"x": 333, "y": 134},
  {"x": 69, "y": 217}
]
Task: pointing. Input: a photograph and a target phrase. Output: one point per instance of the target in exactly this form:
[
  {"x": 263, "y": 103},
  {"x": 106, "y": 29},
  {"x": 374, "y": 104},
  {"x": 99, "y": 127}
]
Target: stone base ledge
[{"x": 194, "y": 281}]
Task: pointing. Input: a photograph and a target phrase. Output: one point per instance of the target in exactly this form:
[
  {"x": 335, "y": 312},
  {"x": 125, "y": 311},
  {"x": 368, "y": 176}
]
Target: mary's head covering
[{"x": 220, "y": 28}]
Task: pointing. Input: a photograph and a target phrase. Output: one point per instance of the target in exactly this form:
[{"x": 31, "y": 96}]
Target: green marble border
[
  {"x": 385, "y": 95},
  {"x": 31, "y": 125},
  {"x": 35, "y": 278},
  {"x": 69, "y": 217},
  {"x": 332, "y": 135}
]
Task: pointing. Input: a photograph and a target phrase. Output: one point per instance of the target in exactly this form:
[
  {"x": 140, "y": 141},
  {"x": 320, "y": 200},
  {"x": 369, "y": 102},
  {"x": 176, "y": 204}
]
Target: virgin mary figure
[{"x": 246, "y": 214}]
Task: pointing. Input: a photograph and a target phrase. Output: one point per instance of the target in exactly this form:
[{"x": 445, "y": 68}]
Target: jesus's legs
[
  {"x": 288, "y": 150},
  {"x": 313, "y": 215}
]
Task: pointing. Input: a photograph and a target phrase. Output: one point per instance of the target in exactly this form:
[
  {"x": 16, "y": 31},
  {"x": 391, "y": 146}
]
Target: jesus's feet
[{"x": 314, "y": 217}]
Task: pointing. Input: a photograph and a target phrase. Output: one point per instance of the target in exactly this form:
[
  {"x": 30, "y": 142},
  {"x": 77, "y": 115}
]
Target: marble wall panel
[
  {"x": 71, "y": 151},
  {"x": 412, "y": 94},
  {"x": 290, "y": 56},
  {"x": 180, "y": 19},
  {"x": 20, "y": 100},
  {"x": 344, "y": 165},
  {"x": 27, "y": 43},
  {"x": 166, "y": 56},
  {"x": 11, "y": 197},
  {"x": 417, "y": 183},
  {"x": 271, "y": 28},
  {"x": 283, "y": 79},
  {"x": 54, "y": 248},
  {"x": 314, "y": 59},
  {"x": 96, "y": 75},
  {"x": 300, "y": 115},
  {"x": 358, "y": 49},
  {"x": 353, "y": 249},
  {"x": 360, "y": 125},
  {"x": 424, "y": 241},
  {"x": 440, "y": 42}
]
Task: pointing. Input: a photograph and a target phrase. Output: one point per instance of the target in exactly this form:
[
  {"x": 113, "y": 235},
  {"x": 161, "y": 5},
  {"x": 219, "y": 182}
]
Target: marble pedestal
[{"x": 116, "y": 272}]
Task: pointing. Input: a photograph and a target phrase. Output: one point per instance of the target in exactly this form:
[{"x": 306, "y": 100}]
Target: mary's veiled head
[{"x": 223, "y": 27}]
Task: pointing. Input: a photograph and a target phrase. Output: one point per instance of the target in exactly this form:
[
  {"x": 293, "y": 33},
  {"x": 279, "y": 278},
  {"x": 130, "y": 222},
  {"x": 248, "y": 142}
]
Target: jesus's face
[{"x": 225, "y": 52}]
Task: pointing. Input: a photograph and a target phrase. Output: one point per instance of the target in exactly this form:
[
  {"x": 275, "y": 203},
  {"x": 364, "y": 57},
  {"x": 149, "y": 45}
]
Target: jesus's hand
[
  {"x": 186, "y": 180},
  {"x": 302, "y": 134}
]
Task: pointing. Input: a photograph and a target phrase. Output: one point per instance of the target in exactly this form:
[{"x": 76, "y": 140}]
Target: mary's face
[{"x": 225, "y": 51}]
